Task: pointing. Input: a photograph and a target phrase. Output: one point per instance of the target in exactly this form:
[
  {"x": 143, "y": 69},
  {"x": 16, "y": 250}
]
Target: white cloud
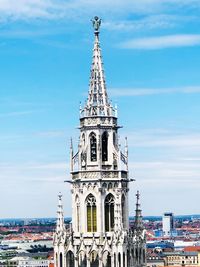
[
  {"x": 162, "y": 42},
  {"x": 167, "y": 140},
  {"x": 154, "y": 21},
  {"x": 77, "y": 9},
  {"x": 18, "y": 113},
  {"x": 153, "y": 91}
]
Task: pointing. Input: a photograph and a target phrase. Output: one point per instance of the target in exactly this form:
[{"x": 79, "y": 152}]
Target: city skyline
[{"x": 151, "y": 53}]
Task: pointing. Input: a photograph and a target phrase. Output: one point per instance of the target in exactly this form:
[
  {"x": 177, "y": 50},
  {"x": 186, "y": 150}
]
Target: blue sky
[{"x": 151, "y": 53}]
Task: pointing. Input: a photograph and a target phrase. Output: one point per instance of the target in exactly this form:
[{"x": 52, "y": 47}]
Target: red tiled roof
[{"x": 192, "y": 248}]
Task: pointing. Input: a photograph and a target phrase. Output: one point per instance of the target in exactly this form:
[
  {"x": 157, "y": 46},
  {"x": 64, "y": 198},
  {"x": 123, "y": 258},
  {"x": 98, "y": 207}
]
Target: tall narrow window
[
  {"x": 93, "y": 147},
  {"x": 114, "y": 139},
  {"x": 70, "y": 259},
  {"x": 109, "y": 213},
  {"x": 123, "y": 211},
  {"x": 78, "y": 213},
  {"x": 94, "y": 259},
  {"x": 61, "y": 260},
  {"x": 104, "y": 140},
  {"x": 91, "y": 213}
]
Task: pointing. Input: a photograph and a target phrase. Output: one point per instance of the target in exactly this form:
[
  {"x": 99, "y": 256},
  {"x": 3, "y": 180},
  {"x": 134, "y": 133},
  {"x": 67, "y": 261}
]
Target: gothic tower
[{"x": 99, "y": 234}]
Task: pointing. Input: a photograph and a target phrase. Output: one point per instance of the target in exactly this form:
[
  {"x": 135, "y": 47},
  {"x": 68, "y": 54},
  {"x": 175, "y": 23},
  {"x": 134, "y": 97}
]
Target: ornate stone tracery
[{"x": 99, "y": 235}]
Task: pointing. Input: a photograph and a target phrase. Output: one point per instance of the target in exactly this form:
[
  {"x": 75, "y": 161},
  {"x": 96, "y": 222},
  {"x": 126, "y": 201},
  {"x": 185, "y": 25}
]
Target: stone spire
[
  {"x": 97, "y": 102},
  {"x": 60, "y": 226},
  {"x": 138, "y": 225}
]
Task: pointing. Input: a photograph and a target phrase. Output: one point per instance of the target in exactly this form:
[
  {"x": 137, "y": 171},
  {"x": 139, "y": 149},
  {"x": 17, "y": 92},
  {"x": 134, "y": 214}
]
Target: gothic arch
[
  {"x": 114, "y": 139},
  {"x": 77, "y": 201},
  {"x": 61, "y": 259},
  {"x": 91, "y": 213},
  {"x": 110, "y": 185},
  {"x": 137, "y": 256},
  {"x": 123, "y": 202},
  {"x": 109, "y": 205},
  {"x": 70, "y": 259},
  {"x": 119, "y": 259},
  {"x": 106, "y": 259},
  {"x": 124, "y": 259},
  {"x": 93, "y": 146},
  {"x": 82, "y": 259},
  {"x": 104, "y": 145},
  {"x": 94, "y": 259},
  {"x": 128, "y": 258},
  {"x": 83, "y": 139}
]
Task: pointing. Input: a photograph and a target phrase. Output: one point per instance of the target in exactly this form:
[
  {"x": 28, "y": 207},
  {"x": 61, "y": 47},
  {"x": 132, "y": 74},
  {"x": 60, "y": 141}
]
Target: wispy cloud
[
  {"x": 165, "y": 139},
  {"x": 162, "y": 42},
  {"x": 120, "y": 92},
  {"x": 18, "y": 113},
  {"x": 51, "y": 134},
  {"x": 156, "y": 21},
  {"x": 77, "y": 9}
]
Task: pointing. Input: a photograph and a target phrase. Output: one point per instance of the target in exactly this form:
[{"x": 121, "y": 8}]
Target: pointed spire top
[
  {"x": 138, "y": 197},
  {"x": 98, "y": 103}
]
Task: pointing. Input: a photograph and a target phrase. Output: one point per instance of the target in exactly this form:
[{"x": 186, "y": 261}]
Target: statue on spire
[{"x": 96, "y": 22}]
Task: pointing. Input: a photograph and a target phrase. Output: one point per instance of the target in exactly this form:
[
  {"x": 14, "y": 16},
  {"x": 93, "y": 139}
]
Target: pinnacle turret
[
  {"x": 138, "y": 214},
  {"x": 60, "y": 226}
]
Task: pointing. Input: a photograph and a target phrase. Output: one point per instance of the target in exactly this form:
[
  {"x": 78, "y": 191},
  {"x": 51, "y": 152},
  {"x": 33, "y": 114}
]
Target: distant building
[
  {"x": 181, "y": 258},
  {"x": 168, "y": 223},
  {"x": 154, "y": 259},
  {"x": 28, "y": 262}
]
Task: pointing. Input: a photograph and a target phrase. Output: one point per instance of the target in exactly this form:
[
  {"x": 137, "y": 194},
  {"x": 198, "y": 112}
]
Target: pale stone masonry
[{"x": 100, "y": 233}]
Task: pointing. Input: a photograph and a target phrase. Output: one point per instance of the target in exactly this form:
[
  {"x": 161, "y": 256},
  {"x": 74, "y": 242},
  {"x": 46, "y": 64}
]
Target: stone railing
[{"x": 96, "y": 175}]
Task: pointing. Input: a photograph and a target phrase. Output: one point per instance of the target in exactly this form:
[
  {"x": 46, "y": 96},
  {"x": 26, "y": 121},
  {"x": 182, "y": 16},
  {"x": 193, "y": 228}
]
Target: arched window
[
  {"x": 94, "y": 259},
  {"x": 93, "y": 147},
  {"x": 70, "y": 259},
  {"x": 109, "y": 213},
  {"x": 128, "y": 258},
  {"x": 91, "y": 213},
  {"x": 106, "y": 259},
  {"x": 61, "y": 260},
  {"x": 78, "y": 213},
  {"x": 83, "y": 139},
  {"x": 82, "y": 259},
  {"x": 104, "y": 141},
  {"x": 124, "y": 259},
  {"x": 119, "y": 259},
  {"x": 123, "y": 211},
  {"x": 114, "y": 139}
]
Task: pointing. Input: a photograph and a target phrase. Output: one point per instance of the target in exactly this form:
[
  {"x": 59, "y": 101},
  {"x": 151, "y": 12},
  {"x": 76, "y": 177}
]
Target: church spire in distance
[{"x": 97, "y": 102}]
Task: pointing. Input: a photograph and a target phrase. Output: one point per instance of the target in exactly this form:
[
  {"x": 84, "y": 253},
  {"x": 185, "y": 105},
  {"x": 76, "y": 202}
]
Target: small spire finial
[
  {"x": 96, "y": 22},
  {"x": 138, "y": 196},
  {"x": 60, "y": 196}
]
